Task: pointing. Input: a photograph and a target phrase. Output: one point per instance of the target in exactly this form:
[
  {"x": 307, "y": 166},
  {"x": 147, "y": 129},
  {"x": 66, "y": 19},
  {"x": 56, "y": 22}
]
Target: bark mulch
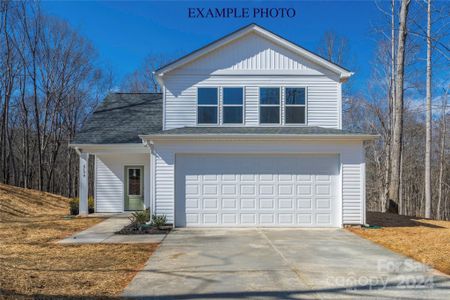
[
  {"x": 427, "y": 241},
  {"x": 33, "y": 266},
  {"x": 131, "y": 229}
]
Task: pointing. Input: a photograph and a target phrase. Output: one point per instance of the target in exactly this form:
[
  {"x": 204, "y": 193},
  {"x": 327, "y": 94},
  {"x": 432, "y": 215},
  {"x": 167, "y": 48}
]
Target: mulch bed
[{"x": 131, "y": 229}]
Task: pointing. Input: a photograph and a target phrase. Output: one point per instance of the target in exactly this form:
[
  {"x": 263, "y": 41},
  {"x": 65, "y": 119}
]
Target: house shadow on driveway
[{"x": 348, "y": 292}]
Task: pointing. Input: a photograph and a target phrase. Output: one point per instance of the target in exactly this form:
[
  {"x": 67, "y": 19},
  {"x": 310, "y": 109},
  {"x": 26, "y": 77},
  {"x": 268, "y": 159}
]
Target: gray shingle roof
[
  {"x": 258, "y": 130},
  {"x": 121, "y": 117}
]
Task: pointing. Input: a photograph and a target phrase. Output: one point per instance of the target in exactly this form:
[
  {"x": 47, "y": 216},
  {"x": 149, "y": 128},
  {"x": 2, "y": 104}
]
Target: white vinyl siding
[
  {"x": 252, "y": 62},
  {"x": 181, "y": 100},
  {"x": 109, "y": 180},
  {"x": 251, "y": 52},
  {"x": 164, "y": 185},
  {"x": 351, "y": 194},
  {"x": 109, "y": 187}
]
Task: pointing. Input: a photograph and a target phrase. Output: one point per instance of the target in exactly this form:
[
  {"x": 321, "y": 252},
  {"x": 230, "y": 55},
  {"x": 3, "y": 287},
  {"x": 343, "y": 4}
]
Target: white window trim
[
  {"x": 223, "y": 105},
  {"x": 279, "y": 105},
  {"x": 208, "y": 105},
  {"x": 296, "y": 105}
]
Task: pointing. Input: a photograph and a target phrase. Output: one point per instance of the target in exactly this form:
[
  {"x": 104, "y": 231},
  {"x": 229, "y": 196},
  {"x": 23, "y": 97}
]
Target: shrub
[
  {"x": 159, "y": 221},
  {"x": 139, "y": 218},
  {"x": 74, "y": 205}
]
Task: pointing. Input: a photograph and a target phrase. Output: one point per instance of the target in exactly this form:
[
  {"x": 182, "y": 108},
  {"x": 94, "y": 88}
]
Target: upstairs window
[
  {"x": 295, "y": 106},
  {"x": 207, "y": 105},
  {"x": 269, "y": 105},
  {"x": 233, "y": 105}
]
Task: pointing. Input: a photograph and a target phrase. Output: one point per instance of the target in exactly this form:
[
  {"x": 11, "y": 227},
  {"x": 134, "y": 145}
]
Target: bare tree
[
  {"x": 394, "y": 187},
  {"x": 49, "y": 83},
  {"x": 335, "y": 48},
  {"x": 144, "y": 79},
  {"x": 443, "y": 132},
  {"x": 428, "y": 119}
]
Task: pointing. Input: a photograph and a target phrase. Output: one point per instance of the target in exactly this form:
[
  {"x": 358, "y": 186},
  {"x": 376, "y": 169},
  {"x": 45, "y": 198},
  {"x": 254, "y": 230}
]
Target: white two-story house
[{"x": 247, "y": 132}]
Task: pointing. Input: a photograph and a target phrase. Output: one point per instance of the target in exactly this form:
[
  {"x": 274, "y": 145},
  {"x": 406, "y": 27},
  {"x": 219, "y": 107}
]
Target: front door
[{"x": 134, "y": 188}]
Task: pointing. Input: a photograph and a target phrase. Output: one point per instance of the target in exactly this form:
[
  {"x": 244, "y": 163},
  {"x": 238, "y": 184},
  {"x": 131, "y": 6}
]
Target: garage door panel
[
  {"x": 247, "y": 203},
  {"x": 286, "y": 203},
  {"x": 304, "y": 190},
  {"x": 210, "y": 219},
  {"x": 304, "y": 219},
  {"x": 266, "y": 190},
  {"x": 323, "y": 218},
  {"x": 266, "y": 203},
  {"x": 304, "y": 203},
  {"x": 193, "y": 203},
  {"x": 229, "y": 203},
  {"x": 248, "y": 219},
  {"x": 229, "y": 219},
  {"x": 323, "y": 203},
  {"x": 266, "y": 219},
  {"x": 259, "y": 190},
  {"x": 286, "y": 219}
]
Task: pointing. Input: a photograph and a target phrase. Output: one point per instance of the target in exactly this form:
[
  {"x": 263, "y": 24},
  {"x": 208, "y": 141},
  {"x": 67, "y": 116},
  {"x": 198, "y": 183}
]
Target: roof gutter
[
  {"x": 345, "y": 76},
  {"x": 302, "y": 137}
]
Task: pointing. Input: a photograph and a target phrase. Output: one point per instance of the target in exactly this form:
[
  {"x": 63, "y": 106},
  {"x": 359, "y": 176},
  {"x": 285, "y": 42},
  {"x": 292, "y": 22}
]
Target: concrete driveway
[{"x": 281, "y": 264}]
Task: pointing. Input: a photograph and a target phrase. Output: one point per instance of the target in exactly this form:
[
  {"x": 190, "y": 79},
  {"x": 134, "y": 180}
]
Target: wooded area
[
  {"x": 49, "y": 83},
  {"x": 51, "y": 80}
]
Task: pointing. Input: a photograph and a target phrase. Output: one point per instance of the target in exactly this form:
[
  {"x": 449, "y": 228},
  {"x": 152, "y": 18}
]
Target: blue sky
[{"x": 125, "y": 32}]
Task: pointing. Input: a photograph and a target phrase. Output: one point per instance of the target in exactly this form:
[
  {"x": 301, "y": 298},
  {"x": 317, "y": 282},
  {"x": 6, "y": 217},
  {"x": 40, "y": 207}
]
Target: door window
[{"x": 134, "y": 181}]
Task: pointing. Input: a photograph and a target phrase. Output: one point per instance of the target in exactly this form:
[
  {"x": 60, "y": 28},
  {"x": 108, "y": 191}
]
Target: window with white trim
[
  {"x": 295, "y": 105},
  {"x": 207, "y": 105},
  {"x": 269, "y": 105},
  {"x": 233, "y": 105}
]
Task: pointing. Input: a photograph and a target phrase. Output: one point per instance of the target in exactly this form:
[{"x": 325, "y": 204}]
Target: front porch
[{"x": 121, "y": 178}]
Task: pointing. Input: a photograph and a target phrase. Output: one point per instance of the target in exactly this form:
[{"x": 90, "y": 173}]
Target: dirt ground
[
  {"x": 427, "y": 241},
  {"x": 32, "y": 265}
]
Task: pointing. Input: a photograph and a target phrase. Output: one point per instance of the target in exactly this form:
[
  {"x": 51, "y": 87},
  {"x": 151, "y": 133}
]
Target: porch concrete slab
[
  {"x": 104, "y": 232},
  {"x": 281, "y": 263}
]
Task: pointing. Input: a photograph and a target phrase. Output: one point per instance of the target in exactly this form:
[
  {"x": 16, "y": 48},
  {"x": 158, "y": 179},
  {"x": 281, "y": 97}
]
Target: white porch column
[
  {"x": 83, "y": 184},
  {"x": 152, "y": 180}
]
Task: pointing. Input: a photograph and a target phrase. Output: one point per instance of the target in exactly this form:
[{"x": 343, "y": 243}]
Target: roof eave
[
  {"x": 303, "y": 137},
  {"x": 118, "y": 145}
]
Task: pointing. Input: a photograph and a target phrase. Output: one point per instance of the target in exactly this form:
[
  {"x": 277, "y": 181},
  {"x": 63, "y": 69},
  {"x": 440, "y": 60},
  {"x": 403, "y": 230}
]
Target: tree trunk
[
  {"x": 428, "y": 132},
  {"x": 391, "y": 105},
  {"x": 394, "y": 187},
  {"x": 442, "y": 156}
]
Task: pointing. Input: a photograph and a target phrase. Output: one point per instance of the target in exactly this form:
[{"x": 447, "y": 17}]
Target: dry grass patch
[
  {"x": 427, "y": 241},
  {"x": 31, "y": 264}
]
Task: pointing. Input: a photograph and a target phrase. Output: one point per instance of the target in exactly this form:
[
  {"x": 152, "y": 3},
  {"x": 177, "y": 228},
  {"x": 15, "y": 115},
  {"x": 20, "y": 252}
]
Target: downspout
[{"x": 152, "y": 172}]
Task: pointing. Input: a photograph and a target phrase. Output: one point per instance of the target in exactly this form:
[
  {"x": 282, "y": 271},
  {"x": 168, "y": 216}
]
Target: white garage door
[{"x": 256, "y": 190}]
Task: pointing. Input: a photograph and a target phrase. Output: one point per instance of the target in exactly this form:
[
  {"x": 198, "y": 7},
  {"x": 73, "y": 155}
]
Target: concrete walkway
[
  {"x": 281, "y": 264},
  {"x": 104, "y": 233}
]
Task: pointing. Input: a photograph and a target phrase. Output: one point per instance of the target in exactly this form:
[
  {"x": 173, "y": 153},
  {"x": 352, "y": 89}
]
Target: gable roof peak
[{"x": 273, "y": 37}]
